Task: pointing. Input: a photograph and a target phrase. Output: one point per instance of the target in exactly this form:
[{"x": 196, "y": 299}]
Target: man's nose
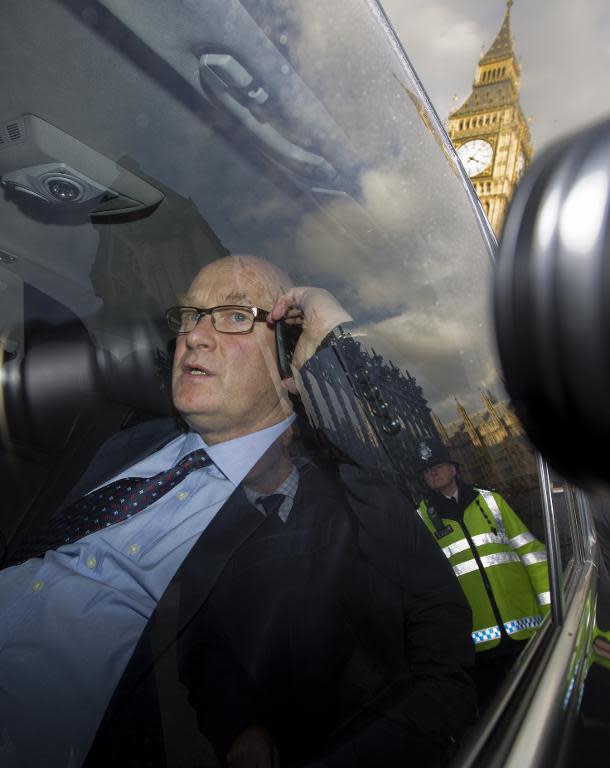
[{"x": 203, "y": 334}]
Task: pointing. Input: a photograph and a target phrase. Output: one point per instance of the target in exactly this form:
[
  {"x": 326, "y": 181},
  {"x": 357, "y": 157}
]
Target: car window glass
[
  {"x": 563, "y": 507},
  {"x": 182, "y": 133}
]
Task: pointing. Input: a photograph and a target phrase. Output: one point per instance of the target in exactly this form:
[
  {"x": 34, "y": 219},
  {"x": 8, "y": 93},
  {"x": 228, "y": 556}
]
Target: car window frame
[{"x": 545, "y": 684}]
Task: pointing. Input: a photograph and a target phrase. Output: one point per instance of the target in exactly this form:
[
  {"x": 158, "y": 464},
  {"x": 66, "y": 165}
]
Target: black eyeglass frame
[{"x": 259, "y": 316}]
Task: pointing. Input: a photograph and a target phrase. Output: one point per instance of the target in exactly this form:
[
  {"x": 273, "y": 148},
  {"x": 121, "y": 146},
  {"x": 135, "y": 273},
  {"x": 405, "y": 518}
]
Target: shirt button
[
  {"x": 91, "y": 562},
  {"x": 134, "y": 549},
  {"x": 182, "y": 495},
  {"x": 37, "y": 585}
]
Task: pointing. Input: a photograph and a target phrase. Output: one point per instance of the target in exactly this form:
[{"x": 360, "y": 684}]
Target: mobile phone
[{"x": 286, "y": 337}]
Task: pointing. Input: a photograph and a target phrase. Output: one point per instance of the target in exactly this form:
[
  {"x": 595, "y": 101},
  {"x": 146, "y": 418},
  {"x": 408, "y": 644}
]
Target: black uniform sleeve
[{"x": 431, "y": 702}]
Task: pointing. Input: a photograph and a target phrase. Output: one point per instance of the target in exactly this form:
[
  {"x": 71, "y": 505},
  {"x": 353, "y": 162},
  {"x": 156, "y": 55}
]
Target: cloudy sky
[{"x": 563, "y": 47}]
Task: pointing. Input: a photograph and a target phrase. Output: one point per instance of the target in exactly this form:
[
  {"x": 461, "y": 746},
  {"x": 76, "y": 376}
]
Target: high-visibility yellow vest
[
  {"x": 600, "y": 647},
  {"x": 500, "y": 565}
]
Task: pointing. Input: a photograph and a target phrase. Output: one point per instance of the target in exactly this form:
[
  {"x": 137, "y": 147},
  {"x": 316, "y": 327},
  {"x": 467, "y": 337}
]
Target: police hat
[{"x": 431, "y": 452}]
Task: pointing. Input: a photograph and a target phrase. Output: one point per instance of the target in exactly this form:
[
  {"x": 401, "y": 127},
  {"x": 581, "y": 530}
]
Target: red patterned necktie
[{"x": 107, "y": 506}]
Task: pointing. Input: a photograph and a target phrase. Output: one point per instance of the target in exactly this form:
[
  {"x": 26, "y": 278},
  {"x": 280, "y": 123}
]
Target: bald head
[{"x": 241, "y": 279}]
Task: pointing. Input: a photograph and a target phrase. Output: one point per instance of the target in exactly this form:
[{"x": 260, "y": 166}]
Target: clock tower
[{"x": 489, "y": 130}]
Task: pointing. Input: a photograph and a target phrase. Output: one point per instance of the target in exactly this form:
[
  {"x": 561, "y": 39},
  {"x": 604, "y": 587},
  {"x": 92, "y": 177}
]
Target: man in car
[
  {"x": 500, "y": 565},
  {"x": 305, "y": 616}
]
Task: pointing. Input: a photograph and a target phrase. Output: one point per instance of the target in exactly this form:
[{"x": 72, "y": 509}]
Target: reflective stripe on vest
[
  {"x": 543, "y": 598},
  {"x": 495, "y": 511},
  {"x": 478, "y": 541},
  {"x": 493, "y": 633},
  {"x": 487, "y": 561},
  {"x": 521, "y": 540},
  {"x": 533, "y": 557}
]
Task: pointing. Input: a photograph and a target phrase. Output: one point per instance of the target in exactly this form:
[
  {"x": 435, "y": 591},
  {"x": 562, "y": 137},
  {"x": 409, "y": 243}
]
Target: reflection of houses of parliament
[
  {"x": 141, "y": 267},
  {"x": 143, "y": 264},
  {"x": 492, "y": 450}
]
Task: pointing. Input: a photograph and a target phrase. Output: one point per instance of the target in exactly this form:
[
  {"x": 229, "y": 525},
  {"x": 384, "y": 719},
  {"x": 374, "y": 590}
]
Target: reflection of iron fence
[
  {"x": 489, "y": 446},
  {"x": 381, "y": 431}
]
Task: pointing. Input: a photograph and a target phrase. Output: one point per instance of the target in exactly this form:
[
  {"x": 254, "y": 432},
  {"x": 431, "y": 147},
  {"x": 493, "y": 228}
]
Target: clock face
[{"x": 476, "y": 156}]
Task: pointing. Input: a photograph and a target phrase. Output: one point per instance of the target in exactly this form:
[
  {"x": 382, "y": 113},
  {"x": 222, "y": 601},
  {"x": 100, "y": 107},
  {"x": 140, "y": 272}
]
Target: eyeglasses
[{"x": 228, "y": 318}]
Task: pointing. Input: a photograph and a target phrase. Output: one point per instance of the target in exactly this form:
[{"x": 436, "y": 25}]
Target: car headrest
[{"x": 62, "y": 371}]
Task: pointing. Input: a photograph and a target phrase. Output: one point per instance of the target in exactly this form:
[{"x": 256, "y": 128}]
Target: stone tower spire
[
  {"x": 471, "y": 430},
  {"x": 503, "y": 46},
  {"x": 495, "y": 419},
  {"x": 438, "y": 425},
  {"x": 489, "y": 129}
]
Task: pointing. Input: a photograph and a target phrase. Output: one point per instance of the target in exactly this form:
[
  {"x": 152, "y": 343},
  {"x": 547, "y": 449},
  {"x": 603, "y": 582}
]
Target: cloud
[
  {"x": 448, "y": 356},
  {"x": 443, "y": 44},
  {"x": 564, "y": 49},
  {"x": 564, "y": 81}
]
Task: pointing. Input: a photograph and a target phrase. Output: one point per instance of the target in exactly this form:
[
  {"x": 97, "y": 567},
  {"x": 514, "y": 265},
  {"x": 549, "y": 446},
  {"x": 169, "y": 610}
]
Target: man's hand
[
  {"x": 316, "y": 310},
  {"x": 253, "y": 748}
]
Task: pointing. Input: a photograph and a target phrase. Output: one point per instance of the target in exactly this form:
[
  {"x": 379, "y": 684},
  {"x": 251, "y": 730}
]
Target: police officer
[{"x": 500, "y": 565}]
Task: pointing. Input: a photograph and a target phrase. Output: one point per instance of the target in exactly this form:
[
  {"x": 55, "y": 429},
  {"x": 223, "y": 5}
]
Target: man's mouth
[{"x": 196, "y": 370}]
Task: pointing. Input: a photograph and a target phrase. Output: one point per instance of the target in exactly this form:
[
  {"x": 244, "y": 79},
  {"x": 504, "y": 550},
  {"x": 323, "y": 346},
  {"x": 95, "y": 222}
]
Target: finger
[
  {"x": 294, "y": 316},
  {"x": 292, "y": 298},
  {"x": 278, "y": 310},
  {"x": 294, "y": 310}
]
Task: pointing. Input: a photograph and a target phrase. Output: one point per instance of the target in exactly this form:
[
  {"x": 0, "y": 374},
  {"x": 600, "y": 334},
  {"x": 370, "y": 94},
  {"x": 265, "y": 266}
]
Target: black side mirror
[{"x": 552, "y": 304}]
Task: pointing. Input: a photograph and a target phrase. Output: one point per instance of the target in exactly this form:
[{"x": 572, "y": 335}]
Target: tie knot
[{"x": 272, "y": 503}]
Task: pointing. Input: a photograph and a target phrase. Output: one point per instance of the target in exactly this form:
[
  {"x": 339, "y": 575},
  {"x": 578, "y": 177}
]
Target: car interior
[
  {"x": 150, "y": 159},
  {"x": 140, "y": 141}
]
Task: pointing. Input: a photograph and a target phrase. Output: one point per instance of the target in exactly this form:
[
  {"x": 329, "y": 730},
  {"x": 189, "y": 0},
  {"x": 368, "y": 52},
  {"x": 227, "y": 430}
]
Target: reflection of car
[{"x": 139, "y": 141}]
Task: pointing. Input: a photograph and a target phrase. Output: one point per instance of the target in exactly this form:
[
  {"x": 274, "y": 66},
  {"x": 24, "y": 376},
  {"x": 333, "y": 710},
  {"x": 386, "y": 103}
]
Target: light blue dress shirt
[{"x": 70, "y": 621}]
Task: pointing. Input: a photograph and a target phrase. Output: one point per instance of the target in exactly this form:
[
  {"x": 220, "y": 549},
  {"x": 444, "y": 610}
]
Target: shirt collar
[
  {"x": 287, "y": 488},
  {"x": 235, "y": 458}
]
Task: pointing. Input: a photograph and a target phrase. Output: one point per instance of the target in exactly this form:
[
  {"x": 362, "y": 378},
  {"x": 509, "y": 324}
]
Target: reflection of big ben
[{"x": 489, "y": 130}]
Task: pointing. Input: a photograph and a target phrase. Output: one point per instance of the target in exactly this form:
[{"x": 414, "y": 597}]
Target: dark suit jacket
[{"x": 344, "y": 631}]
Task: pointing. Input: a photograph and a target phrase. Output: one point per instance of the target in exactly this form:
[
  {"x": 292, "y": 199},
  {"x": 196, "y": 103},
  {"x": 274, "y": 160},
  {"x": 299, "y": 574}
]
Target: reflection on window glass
[
  {"x": 239, "y": 544},
  {"x": 563, "y": 508}
]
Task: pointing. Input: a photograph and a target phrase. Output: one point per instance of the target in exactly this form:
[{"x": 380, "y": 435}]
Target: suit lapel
[
  {"x": 131, "y": 449},
  {"x": 187, "y": 592}
]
